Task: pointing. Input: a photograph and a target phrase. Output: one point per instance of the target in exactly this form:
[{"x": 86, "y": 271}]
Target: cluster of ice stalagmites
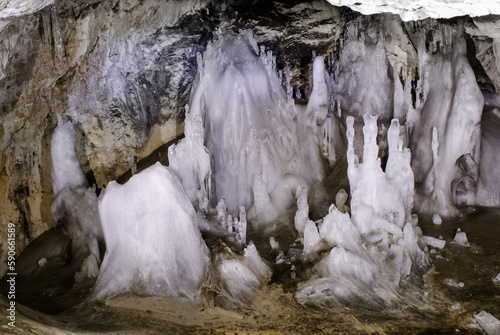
[{"x": 376, "y": 248}]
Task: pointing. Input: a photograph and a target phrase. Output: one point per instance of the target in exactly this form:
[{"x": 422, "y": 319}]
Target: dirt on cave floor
[{"x": 458, "y": 286}]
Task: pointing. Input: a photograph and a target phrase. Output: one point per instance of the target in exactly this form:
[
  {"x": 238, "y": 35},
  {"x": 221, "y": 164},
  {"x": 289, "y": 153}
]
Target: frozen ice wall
[
  {"x": 381, "y": 246},
  {"x": 74, "y": 205},
  {"x": 446, "y": 123},
  {"x": 260, "y": 148},
  {"x": 152, "y": 239}
]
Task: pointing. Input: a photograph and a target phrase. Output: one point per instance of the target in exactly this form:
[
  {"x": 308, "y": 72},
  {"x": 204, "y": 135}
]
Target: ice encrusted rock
[
  {"x": 488, "y": 322},
  {"x": 153, "y": 243}
]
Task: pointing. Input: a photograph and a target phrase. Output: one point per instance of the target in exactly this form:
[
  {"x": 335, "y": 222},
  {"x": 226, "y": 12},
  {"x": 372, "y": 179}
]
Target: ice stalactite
[
  {"x": 450, "y": 102},
  {"x": 153, "y": 244},
  {"x": 74, "y": 205},
  {"x": 381, "y": 246},
  {"x": 252, "y": 129}
]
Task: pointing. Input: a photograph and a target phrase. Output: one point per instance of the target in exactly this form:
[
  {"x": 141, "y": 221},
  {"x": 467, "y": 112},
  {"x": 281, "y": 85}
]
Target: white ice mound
[
  {"x": 252, "y": 129},
  {"x": 488, "y": 322},
  {"x": 240, "y": 277},
  {"x": 74, "y": 205},
  {"x": 152, "y": 240},
  {"x": 372, "y": 254}
]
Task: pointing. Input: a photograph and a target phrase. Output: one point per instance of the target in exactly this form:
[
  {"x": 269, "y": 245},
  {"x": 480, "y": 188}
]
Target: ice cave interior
[{"x": 286, "y": 167}]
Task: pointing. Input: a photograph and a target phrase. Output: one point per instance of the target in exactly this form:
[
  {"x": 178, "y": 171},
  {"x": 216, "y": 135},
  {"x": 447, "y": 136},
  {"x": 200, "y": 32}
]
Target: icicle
[{"x": 56, "y": 33}]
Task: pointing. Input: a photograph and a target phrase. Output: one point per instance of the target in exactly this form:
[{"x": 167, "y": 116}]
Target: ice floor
[{"x": 458, "y": 286}]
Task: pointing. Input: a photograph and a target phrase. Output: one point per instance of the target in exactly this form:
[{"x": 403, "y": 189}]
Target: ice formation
[
  {"x": 461, "y": 238},
  {"x": 448, "y": 85},
  {"x": 240, "y": 277},
  {"x": 496, "y": 280},
  {"x": 74, "y": 205},
  {"x": 153, "y": 243},
  {"x": 190, "y": 160},
  {"x": 488, "y": 322},
  {"x": 380, "y": 246},
  {"x": 252, "y": 129}
]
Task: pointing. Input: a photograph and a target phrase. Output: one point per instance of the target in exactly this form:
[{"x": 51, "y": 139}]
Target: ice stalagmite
[
  {"x": 252, "y": 129},
  {"x": 379, "y": 247},
  {"x": 152, "y": 240},
  {"x": 191, "y": 161},
  {"x": 74, "y": 205}
]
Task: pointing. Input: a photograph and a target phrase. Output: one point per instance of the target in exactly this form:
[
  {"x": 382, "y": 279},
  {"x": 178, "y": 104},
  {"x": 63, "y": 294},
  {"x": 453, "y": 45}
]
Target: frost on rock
[
  {"x": 379, "y": 247},
  {"x": 74, "y": 205},
  {"x": 252, "y": 129},
  {"x": 153, "y": 243}
]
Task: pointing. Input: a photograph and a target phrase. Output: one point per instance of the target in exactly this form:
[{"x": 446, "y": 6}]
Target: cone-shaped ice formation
[
  {"x": 446, "y": 121},
  {"x": 152, "y": 240},
  {"x": 252, "y": 130}
]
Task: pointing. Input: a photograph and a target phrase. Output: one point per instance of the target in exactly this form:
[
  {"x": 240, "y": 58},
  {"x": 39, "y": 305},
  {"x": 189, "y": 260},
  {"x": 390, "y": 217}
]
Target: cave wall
[{"x": 121, "y": 71}]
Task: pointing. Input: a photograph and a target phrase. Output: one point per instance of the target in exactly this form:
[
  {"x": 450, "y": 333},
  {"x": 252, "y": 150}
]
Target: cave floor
[{"x": 458, "y": 286}]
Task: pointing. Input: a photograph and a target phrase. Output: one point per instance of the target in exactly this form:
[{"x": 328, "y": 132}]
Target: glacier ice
[
  {"x": 153, "y": 244},
  {"x": 74, "y": 205}
]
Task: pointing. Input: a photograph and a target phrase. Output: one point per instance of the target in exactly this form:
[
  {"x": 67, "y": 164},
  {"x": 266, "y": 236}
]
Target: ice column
[{"x": 74, "y": 205}]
